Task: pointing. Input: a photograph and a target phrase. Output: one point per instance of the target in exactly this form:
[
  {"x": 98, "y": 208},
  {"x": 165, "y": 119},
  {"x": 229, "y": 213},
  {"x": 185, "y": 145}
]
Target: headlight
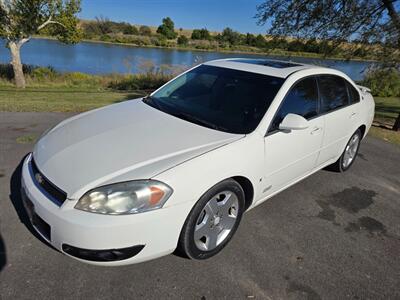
[{"x": 125, "y": 198}]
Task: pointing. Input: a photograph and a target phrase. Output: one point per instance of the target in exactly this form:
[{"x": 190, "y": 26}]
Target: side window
[
  {"x": 302, "y": 100},
  {"x": 354, "y": 95},
  {"x": 333, "y": 92}
]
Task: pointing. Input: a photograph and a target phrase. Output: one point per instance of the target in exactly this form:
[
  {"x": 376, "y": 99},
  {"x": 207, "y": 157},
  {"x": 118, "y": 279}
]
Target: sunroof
[{"x": 268, "y": 63}]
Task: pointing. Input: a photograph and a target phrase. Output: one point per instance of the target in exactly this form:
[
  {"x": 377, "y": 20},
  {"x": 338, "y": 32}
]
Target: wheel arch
[
  {"x": 363, "y": 129},
  {"x": 248, "y": 189}
]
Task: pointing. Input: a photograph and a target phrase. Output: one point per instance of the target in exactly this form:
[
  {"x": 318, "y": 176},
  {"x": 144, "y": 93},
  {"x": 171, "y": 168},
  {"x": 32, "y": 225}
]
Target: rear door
[
  {"x": 339, "y": 101},
  {"x": 291, "y": 155}
]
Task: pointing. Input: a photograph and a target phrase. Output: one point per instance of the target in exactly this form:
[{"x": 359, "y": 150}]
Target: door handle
[
  {"x": 352, "y": 115},
  {"x": 315, "y": 130}
]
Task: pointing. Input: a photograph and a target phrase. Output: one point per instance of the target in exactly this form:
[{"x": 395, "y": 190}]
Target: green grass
[
  {"x": 52, "y": 98},
  {"x": 385, "y": 134},
  {"x": 386, "y": 109},
  {"x": 60, "y": 99},
  {"x": 386, "y": 112},
  {"x": 26, "y": 139}
]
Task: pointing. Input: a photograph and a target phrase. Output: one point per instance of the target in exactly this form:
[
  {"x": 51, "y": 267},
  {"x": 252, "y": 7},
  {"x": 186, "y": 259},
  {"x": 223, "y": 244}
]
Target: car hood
[{"x": 120, "y": 142}]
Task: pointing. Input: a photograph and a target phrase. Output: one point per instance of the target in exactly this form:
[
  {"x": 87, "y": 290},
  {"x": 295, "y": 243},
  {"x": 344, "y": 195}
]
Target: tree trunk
[
  {"x": 394, "y": 16},
  {"x": 19, "y": 78},
  {"x": 396, "y": 126}
]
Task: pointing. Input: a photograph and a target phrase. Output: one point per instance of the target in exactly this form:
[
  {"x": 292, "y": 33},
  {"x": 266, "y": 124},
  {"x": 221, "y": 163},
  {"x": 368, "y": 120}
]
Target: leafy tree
[
  {"x": 230, "y": 36},
  {"x": 296, "y": 46},
  {"x": 250, "y": 39},
  {"x": 167, "y": 28},
  {"x": 374, "y": 23},
  {"x": 20, "y": 19},
  {"x": 255, "y": 41},
  {"x": 145, "y": 30},
  {"x": 183, "y": 40},
  {"x": 311, "y": 45},
  {"x": 260, "y": 41},
  {"x": 104, "y": 25},
  {"x": 201, "y": 34}
]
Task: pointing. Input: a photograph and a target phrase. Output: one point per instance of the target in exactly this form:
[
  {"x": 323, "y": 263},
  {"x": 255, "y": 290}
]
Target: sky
[{"x": 215, "y": 15}]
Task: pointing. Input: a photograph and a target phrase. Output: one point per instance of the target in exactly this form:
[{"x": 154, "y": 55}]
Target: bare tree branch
[
  {"x": 23, "y": 41},
  {"x": 49, "y": 21}
]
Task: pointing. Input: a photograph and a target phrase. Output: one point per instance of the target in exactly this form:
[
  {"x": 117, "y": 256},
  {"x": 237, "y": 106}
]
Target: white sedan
[{"x": 177, "y": 169}]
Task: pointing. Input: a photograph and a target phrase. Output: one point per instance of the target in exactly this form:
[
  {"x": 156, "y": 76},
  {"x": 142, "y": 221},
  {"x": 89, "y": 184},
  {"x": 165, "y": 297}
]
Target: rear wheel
[
  {"x": 212, "y": 221},
  {"x": 349, "y": 154}
]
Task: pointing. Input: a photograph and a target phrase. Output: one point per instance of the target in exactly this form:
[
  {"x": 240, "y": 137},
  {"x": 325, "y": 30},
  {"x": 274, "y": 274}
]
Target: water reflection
[{"x": 96, "y": 58}]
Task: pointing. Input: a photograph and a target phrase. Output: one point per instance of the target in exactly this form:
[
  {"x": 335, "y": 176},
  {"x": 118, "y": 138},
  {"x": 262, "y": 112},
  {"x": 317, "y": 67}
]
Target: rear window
[{"x": 333, "y": 92}]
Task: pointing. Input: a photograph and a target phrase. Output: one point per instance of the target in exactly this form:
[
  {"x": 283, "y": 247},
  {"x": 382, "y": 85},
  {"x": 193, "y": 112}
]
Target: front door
[{"x": 291, "y": 155}]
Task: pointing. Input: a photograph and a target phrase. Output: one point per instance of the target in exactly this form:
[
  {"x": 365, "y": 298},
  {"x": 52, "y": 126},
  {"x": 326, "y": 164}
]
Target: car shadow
[
  {"x": 3, "y": 257},
  {"x": 16, "y": 200}
]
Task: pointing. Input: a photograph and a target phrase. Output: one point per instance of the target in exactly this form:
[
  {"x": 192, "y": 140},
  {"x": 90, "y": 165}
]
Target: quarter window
[
  {"x": 302, "y": 100},
  {"x": 333, "y": 92},
  {"x": 354, "y": 95}
]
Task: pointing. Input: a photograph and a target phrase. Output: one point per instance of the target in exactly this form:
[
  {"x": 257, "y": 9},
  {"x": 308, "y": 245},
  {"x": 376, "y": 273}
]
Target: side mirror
[{"x": 293, "y": 122}]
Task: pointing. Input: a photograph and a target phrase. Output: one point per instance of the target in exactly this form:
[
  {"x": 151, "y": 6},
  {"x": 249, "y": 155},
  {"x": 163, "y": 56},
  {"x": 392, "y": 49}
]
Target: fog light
[{"x": 102, "y": 255}]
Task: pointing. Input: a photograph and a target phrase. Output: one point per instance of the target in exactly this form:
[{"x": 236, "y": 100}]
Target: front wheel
[
  {"x": 212, "y": 221},
  {"x": 349, "y": 154}
]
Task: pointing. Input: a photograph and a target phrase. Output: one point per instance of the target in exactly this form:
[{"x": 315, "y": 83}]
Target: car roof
[{"x": 271, "y": 67}]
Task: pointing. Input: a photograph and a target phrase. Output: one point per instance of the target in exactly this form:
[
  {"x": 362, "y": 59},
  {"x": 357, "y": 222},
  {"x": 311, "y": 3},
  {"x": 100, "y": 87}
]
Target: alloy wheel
[{"x": 216, "y": 220}]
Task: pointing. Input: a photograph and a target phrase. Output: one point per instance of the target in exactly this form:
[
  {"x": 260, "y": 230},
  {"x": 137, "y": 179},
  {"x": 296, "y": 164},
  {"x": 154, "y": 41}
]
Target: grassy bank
[
  {"x": 49, "y": 90},
  {"x": 386, "y": 111},
  {"x": 60, "y": 99},
  {"x": 63, "y": 98}
]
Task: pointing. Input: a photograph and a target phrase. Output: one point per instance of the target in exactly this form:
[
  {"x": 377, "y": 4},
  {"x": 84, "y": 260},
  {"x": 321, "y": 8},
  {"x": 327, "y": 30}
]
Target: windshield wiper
[
  {"x": 198, "y": 121},
  {"x": 152, "y": 102},
  {"x": 185, "y": 116}
]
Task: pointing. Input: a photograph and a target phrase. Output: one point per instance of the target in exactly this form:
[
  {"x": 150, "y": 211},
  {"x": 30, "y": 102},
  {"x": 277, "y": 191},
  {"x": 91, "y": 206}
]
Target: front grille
[
  {"x": 41, "y": 226},
  {"x": 36, "y": 221},
  {"x": 54, "y": 193}
]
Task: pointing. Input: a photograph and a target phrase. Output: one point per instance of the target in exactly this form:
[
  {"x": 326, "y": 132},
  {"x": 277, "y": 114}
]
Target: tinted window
[
  {"x": 354, "y": 96},
  {"x": 219, "y": 98},
  {"x": 333, "y": 92},
  {"x": 302, "y": 100}
]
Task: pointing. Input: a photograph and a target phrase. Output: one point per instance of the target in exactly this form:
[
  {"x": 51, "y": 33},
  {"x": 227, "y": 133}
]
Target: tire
[
  {"x": 343, "y": 163},
  {"x": 213, "y": 221}
]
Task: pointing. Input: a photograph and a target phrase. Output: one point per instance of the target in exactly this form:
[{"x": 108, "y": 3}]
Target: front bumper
[{"x": 158, "y": 231}]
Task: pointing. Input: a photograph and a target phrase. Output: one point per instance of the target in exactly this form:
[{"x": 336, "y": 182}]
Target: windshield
[{"x": 223, "y": 99}]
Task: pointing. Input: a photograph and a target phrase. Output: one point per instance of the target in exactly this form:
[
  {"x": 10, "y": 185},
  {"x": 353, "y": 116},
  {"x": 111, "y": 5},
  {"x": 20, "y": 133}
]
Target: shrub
[
  {"x": 147, "y": 81},
  {"x": 160, "y": 41},
  {"x": 129, "y": 29},
  {"x": 383, "y": 82},
  {"x": 43, "y": 73},
  {"x": 145, "y": 30},
  {"x": 183, "y": 40},
  {"x": 201, "y": 34},
  {"x": 105, "y": 38},
  {"x": 6, "y": 71},
  {"x": 203, "y": 44},
  {"x": 80, "y": 79}
]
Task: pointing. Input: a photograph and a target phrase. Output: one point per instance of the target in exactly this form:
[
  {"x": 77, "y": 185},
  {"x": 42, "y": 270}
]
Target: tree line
[{"x": 166, "y": 34}]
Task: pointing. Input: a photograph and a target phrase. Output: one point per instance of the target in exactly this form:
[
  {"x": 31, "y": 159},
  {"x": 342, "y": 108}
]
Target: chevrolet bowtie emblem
[{"x": 39, "y": 178}]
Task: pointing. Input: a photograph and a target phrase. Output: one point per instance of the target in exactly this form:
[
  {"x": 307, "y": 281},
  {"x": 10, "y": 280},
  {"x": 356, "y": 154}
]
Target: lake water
[{"x": 97, "y": 58}]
